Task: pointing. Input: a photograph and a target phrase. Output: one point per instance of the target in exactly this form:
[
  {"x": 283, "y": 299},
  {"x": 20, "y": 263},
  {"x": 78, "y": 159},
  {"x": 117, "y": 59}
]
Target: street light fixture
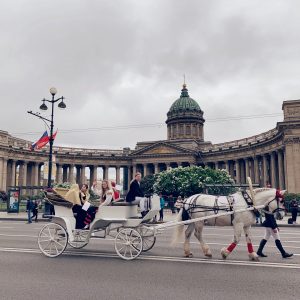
[{"x": 44, "y": 107}]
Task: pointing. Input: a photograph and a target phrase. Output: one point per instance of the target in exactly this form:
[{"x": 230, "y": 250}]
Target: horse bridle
[{"x": 277, "y": 209}]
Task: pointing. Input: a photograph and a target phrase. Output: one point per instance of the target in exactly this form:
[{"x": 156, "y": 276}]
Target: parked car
[{"x": 3, "y": 196}]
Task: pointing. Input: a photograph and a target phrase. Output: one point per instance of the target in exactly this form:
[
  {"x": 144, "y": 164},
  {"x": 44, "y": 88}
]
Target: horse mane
[{"x": 261, "y": 190}]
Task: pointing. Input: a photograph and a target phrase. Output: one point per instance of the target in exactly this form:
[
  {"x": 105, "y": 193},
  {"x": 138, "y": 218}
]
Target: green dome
[{"x": 184, "y": 103}]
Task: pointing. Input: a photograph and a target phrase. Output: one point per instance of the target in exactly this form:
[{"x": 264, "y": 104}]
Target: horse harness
[{"x": 195, "y": 208}]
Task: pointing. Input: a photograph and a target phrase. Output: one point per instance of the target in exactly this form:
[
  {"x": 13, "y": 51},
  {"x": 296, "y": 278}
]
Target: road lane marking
[
  {"x": 243, "y": 245},
  {"x": 18, "y": 235},
  {"x": 164, "y": 258}
]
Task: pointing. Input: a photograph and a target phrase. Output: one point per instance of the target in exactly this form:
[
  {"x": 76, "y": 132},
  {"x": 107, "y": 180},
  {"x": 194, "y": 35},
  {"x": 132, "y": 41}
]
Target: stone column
[
  {"x": 168, "y": 166},
  {"x": 133, "y": 170},
  {"x": 65, "y": 174},
  {"x": 13, "y": 173},
  {"x": 58, "y": 173},
  {"x": 273, "y": 170},
  {"x": 105, "y": 172},
  {"x": 292, "y": 161},
  {"x": 247, "y": 170},
  {"x": 82, "y": 175},
  {"x": 40, "y": 175},
  {"x": 129, "y": 175},
  {"x": 256, "y": 170},
  {"x": 3, "y": 173},
  {"x": 35, "y": 174},
  {"x": 71, "y": 174},
  {"x": 23, "y": 176},
  {"x": 252, "y": 175},
  {"x": 145, "y": 170},
  {"x": 29, "y": 173},
  {"x": 118, "y": 175},
  {"x": 78, "y": 177},
  {"x": 156, "y": 169},
  {"x": 227, "y": 166},
  {"x": 280, "y": 170},
  {"x": 93, "y": 170},
  {"x": 265, "y": 170},
  {"x": 237, "y": 172},
  {"x": 24, "y": 173}
]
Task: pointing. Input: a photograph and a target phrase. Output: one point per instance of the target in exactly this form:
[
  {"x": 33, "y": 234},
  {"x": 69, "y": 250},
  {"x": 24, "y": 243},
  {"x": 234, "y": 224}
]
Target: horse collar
[{"x": 247, "y": 198}]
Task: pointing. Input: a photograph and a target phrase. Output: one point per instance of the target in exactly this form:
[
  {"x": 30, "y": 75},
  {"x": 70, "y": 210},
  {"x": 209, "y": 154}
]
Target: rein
[{"x": 277, "y": 209}]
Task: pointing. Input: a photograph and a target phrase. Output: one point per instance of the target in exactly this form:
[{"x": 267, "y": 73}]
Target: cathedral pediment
[{"x": 162, "y": 148}]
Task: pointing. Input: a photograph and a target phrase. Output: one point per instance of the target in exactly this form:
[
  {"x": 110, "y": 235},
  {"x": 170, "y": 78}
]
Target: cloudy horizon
[{"x": 120, "y": 65}]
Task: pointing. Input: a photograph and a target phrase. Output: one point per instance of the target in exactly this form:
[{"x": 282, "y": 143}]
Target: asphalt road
[{"x": 96, "y": 272}]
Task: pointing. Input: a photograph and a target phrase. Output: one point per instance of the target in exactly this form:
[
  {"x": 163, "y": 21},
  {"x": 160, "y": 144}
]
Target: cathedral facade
[{"x": 271, "y": 157}]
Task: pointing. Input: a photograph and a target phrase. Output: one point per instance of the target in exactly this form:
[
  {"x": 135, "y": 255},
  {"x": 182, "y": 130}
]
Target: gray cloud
[{"x": 121, "y": 63}]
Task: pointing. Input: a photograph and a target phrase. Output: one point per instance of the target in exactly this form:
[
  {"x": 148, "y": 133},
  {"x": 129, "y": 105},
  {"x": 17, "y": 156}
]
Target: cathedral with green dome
[
  {"x": 185, "y": 118},
  {"x": 270, "y": 157}
]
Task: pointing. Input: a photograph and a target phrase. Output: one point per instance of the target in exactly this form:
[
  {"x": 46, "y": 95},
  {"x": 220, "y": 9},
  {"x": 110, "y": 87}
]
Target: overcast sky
[{"x": 121, "y": 64}]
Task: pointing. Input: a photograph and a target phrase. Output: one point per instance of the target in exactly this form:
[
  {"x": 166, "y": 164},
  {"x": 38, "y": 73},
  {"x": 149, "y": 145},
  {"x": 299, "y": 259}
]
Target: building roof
[{"x": 184, "y": 104}]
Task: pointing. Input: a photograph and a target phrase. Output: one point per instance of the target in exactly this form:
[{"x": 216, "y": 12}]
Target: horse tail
[{"x": 178, "y": 229}]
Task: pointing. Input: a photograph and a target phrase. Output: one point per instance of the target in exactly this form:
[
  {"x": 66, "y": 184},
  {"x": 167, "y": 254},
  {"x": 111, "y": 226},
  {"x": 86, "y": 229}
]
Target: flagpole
[
  {"x": 62, "y": 105},
  {"x": 51, "y": 142}
]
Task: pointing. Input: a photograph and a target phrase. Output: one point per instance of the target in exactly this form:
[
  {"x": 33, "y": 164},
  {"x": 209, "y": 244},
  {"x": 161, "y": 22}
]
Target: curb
[{"x": 23, "y": 219}]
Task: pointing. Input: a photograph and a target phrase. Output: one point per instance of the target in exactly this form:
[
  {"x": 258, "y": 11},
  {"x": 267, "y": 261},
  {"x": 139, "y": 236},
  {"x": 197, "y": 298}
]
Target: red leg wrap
[
  {"x": 250, "y": 247},
  {"x": 231, "y": 247}
]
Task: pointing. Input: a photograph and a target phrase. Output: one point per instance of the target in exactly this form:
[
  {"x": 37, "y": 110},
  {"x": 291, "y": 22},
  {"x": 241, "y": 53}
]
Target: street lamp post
[{"x": 44, "y": 107}]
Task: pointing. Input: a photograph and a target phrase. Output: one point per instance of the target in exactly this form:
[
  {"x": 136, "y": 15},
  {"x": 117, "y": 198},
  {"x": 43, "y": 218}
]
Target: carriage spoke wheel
[
  {"x": 148, "y": 238},
  {"x": 80, "y": 237},
  {"x": 128, "y": 243},
  {"x": 52, "y": 240}
]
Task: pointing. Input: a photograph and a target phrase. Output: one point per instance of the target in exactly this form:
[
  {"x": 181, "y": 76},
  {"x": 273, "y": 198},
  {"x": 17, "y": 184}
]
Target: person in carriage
[
  {"x": 106, "y": 193},
  {"x": 116, "y": 191},
  {"x": 135, "y": 194},
  {"x": 82, "y": 209}
]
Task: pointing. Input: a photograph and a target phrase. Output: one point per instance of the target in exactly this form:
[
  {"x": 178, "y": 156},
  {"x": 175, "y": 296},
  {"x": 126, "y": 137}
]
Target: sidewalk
[
  {"x": 168, "y": 216},
  {"x": 22, "y": 216}
]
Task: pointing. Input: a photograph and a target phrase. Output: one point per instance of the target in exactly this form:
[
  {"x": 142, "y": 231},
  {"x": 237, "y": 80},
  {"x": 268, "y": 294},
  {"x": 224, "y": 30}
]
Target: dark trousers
[
  {"x": 294, "y": 214},
  {"x": 35, "y": 214},
  {"x": 83, "y": 217},
  {"x": 161, "y": 215}
]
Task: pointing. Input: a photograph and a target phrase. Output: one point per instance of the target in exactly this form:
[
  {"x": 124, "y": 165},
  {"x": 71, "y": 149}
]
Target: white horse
[{"x": 202, "y": 205}]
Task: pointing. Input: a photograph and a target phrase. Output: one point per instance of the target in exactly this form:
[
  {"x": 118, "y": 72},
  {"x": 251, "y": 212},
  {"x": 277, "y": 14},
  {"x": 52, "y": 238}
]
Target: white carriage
[{"x": 120, "y": 220}]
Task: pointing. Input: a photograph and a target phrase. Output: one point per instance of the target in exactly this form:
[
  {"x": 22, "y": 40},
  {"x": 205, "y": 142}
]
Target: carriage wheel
[
  {"x": 148, "y": 238},
  {"x": 52, "y": 240},
  {"x": 79, "y": 239},
  {"x": 128, "y": 243}
]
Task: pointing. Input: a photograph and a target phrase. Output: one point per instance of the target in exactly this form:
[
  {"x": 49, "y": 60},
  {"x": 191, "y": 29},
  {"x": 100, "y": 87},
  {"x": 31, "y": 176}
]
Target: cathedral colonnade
[
  {"x": 31, "y": 173},
  {"x": 271, "y": 157},
  {"x": 263, "y": 169}
]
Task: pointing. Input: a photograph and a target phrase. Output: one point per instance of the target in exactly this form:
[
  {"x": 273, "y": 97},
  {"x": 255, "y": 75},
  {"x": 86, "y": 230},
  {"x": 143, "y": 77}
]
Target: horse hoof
[
  {"x": 253, "y": 257},
  {"x": 189, "y": 255},
  {"x": 224, "y": 253}
]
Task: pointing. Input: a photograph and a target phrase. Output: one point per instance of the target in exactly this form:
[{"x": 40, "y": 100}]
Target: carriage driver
[{"x": 135, "y": 194}]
